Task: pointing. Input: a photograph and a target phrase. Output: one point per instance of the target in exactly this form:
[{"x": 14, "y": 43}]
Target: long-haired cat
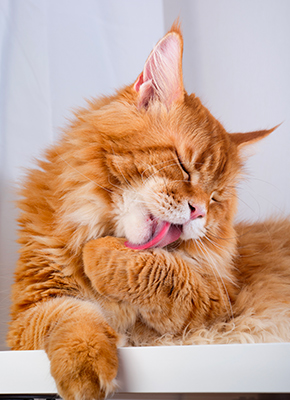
[{"x": 127, "y": 235}]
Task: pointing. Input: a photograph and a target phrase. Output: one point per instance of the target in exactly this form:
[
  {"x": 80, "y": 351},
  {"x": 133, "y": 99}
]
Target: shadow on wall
[{"x": 8, "y": 253}]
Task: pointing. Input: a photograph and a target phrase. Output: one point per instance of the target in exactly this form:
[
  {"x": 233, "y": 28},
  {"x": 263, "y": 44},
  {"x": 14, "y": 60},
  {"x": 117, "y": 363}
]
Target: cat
[{"x": 127, "y": 235}]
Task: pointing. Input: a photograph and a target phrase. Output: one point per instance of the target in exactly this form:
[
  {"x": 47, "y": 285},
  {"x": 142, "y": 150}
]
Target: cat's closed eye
[
  {"x": 184, "y": 169},
  {"x": 215, "y": 197}
]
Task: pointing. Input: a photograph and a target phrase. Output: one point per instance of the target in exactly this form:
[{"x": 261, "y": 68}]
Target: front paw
[
  {"x": 84, "y": 360},
  {"x": 108, "y": 264},
  {"x": 105, "y": 261}
]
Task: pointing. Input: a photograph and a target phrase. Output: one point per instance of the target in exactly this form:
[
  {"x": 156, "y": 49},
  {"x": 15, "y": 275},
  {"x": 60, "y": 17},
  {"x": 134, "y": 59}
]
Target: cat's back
[
  {"x": 265, "y": 240},
  {"x": 263, "y": 262}
]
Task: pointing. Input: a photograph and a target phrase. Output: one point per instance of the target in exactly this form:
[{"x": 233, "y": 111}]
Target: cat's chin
[
  {"x": 193, "y": 229},
  {"x": 164, "y": 234}
]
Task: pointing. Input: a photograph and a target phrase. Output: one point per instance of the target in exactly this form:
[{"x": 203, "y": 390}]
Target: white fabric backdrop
[{"x": 55, "y": 53}]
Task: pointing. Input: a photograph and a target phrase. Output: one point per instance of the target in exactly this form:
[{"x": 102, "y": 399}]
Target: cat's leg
[
  {"x": 170, "y": 295},
  {"x": 81, "y": 346}
]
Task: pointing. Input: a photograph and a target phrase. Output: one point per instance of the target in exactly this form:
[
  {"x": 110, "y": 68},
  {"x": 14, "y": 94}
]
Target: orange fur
[{"x": 131, "y": 164}]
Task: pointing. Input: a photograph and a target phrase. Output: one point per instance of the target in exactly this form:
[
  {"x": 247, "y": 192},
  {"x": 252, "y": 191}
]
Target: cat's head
[{"x": 169, "y": 166}]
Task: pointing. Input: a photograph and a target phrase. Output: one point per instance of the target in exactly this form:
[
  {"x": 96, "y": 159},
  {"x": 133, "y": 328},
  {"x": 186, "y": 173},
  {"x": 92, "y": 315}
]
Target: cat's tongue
[{"x": 164, "y": 235}]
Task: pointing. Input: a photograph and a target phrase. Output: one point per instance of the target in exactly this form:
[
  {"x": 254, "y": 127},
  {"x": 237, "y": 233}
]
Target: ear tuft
[
  {"x": 241, "y": 139},
  {"x": 161, "y": 78}
]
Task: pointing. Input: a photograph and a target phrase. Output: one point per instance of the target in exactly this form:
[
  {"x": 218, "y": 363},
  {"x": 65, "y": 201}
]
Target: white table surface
[{"x": 250, "y": 368}]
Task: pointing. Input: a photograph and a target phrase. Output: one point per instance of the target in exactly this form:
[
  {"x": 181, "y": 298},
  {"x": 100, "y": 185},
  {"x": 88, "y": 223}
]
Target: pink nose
[{"x": 196, "y": 211}]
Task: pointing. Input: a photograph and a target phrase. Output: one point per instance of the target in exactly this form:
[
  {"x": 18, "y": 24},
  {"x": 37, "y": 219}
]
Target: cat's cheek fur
[
  {"x": 194, "y": 229},
  {"x": 163, "y": 203},
  {"x": 82, "y": 207}
]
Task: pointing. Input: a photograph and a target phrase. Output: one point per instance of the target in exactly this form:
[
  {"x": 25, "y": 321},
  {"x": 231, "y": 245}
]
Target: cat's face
[
  {"x": 175, "y": 166},
  {"x": 168, "y": 165},
  {"x": 175, "y": 176}
]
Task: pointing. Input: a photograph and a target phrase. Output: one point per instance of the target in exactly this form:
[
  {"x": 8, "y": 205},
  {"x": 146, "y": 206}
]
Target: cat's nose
[{"x": 196, "y": 211}]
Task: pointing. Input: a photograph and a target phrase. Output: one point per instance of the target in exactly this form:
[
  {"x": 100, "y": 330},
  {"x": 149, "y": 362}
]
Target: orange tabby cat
[{"x": 127, "y": 236}]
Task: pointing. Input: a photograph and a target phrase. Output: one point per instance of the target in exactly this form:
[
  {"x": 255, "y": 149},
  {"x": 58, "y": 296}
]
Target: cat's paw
[
  {"x": 84, "y": 361},
  {"x": 99, "y": 254},
  {"x": 105, "y": 262}
]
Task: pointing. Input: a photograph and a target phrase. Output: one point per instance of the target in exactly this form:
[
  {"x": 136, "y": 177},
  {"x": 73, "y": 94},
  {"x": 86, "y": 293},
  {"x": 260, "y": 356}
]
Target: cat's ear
[
  {"x": 242, "y": 139},
  {"x": 161, "y": 78}
]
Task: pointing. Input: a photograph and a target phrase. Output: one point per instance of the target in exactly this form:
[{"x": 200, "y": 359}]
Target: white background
[{"x": 55, "y": 53}]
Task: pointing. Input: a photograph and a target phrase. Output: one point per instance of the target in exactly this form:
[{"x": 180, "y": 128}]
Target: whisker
[
  {"x": 160, "y": 163},
  {"x": 158, "y": 170}
]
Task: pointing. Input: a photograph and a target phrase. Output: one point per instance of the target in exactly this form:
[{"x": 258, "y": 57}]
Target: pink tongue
[{"x": 166, "y": 234}]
